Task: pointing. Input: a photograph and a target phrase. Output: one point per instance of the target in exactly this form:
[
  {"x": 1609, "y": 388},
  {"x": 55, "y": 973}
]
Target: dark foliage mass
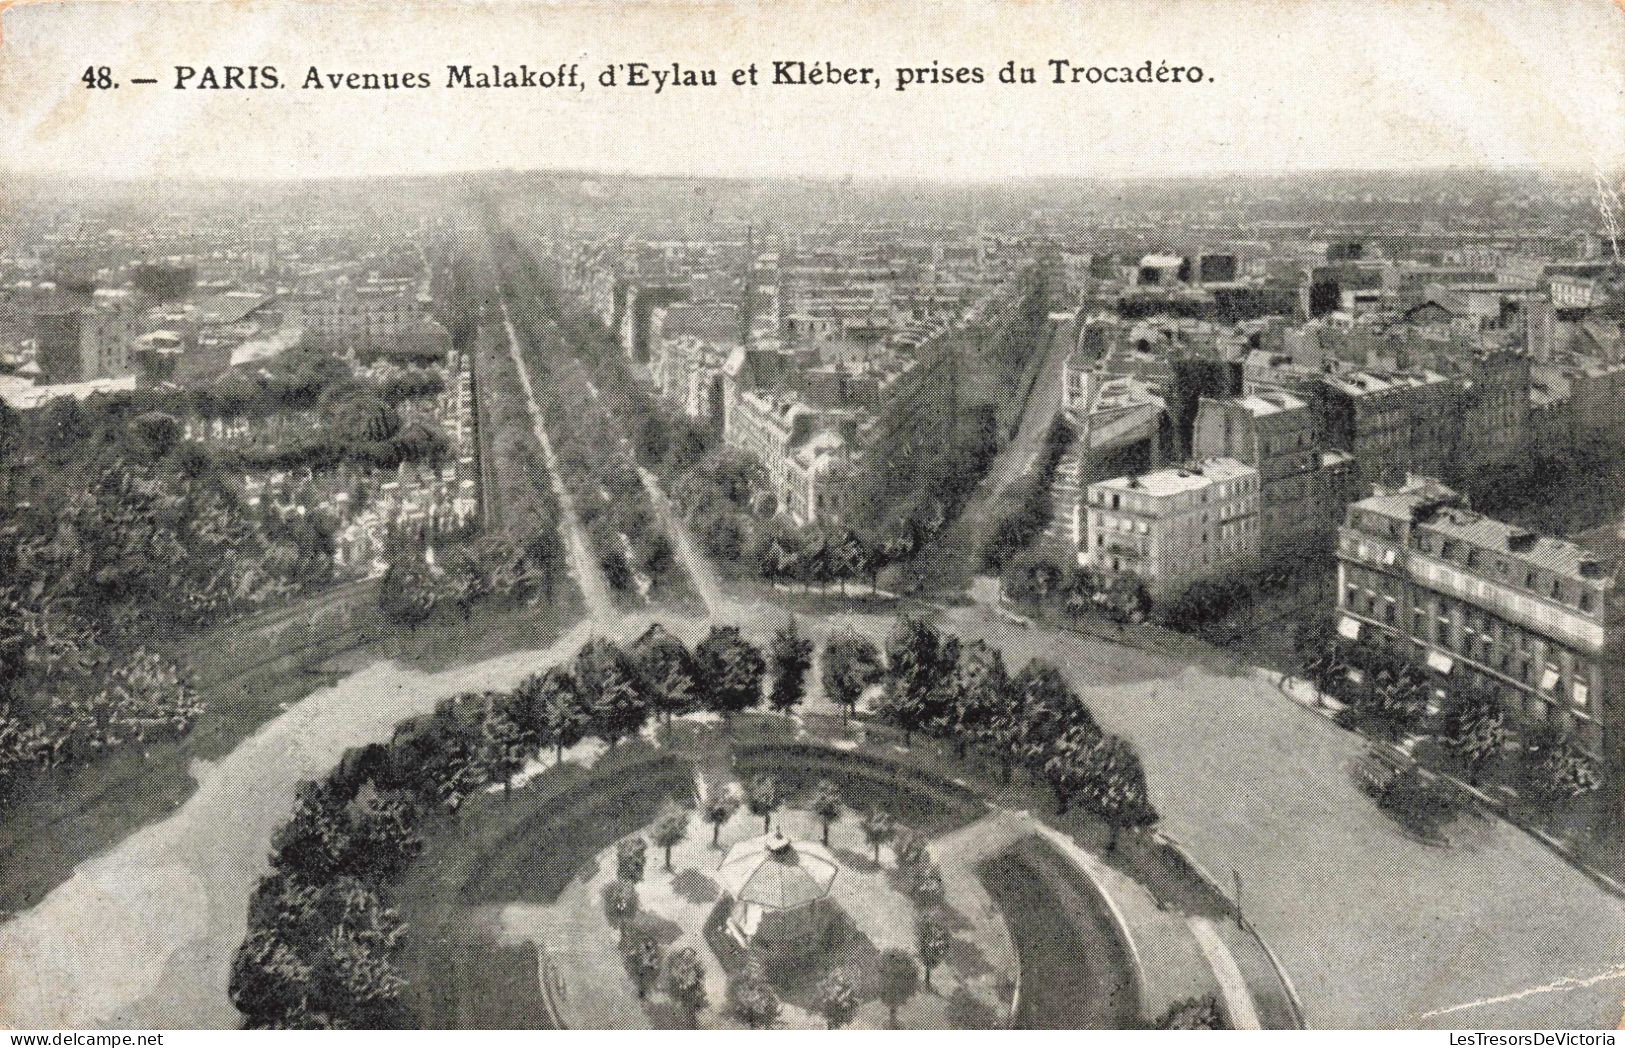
[
  {"x": 596, "y": 412},
  {"x": 923, "y": 462},
  {"x": 114, "y": 523},
  {"x": 323, "y": 942},
  {"x": 1033, "y": 720}
]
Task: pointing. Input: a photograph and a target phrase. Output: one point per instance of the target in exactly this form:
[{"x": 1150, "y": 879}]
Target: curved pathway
[{"x": 143, "y": 935}]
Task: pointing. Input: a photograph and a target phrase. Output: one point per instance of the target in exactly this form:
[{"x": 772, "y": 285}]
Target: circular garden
[{"x": 634, "y": 841}]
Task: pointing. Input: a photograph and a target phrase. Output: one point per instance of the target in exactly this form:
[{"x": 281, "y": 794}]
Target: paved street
[{"x": 1374, "y": 928}]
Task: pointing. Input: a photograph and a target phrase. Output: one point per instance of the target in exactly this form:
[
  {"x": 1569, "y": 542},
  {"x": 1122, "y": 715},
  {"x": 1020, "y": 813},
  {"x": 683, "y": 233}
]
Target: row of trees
[
  {"x": 1392, "y": 697},
  {"x": 582, "y": 395},
  {"x": 490, "y": 568},
  {"x": 367, "y": 433},
  {"x": 323, "y": 940},
  {"x": 943, "y": 426},
  {"x": 1029, "y": 502},
  {"x": 520, "y": 502},
  {"x": 301, "y": 380},
  {"x": 1032, "y": 720},
  {"x": 1031, "y": 578},
  {"x": 1037, "y": 581}
]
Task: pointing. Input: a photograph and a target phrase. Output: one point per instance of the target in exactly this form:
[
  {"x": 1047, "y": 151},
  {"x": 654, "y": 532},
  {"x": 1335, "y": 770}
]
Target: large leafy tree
[
  {"x": 612, "y": 689},
  {"x": 730, "y": 669},
  {"x": 1474, "y": 728},
  {"x": 505, "y": 744},
  {"x": 878, "y": 828},
  {"x": 826, "y": 804},
  {"x": 976, "y": 692},
  {"x": 1117, "y": 791},
  {"x": 931, "y": 942},
  {"x": 684, "y": 981},
  {"x": 315, "y": 843},
  {"x": 1003, "y": 733},
  {"x": 1049, "y": 708},
  {"x": 837, "y": 999},
  {"x": 1557, "y": 770},
  {"x": 667, "y": 670},
  {"x": 763, "y": 798},
  {"x": 620, "y": 901},
  {"x": 851, "y": 663},
  {"x": 406, "y": 595},
  {"x": 554, "y": 708},
  {"x": 919, "y": 663},
  {"x": 898, "y": 979},
  {"x": 752, "y": 1001},
  {"x": 670, "y": 829},
  {"x": 791, "y": 655},
  {"x": 719, "y": 807},
  {"x": 642, "y": 956},
  {"x": 1070, "y": 765}
]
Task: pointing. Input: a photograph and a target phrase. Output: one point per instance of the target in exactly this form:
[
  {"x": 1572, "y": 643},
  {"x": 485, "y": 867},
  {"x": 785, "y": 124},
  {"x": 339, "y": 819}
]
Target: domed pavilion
[{"x": 780, "y": 890}]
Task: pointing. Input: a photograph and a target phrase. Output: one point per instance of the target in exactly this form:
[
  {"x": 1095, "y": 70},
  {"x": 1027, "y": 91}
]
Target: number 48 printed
[{"x": 98, "y": 78}]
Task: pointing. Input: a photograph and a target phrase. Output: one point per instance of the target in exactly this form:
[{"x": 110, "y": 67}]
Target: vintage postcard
[{"x": 715, "y": 515}]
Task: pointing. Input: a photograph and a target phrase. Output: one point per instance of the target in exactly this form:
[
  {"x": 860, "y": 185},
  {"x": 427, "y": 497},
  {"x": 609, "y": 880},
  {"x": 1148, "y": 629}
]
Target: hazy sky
[{"x": 1291, "y": 83}]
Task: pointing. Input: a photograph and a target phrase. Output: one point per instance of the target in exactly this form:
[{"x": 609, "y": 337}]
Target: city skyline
[{"x": 1111, "y": 554}]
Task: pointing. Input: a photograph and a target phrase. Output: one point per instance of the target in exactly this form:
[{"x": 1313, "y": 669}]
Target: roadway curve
[{"x": 143, "y": 935}]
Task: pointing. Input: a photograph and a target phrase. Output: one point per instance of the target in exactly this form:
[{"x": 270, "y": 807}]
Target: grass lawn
[
  {"x": 487, "y": 986},
  {"x": 1075, "y": 973},
  {"x": 528, "y": 867},
  {"x": 525, "y": 847},
  {"x": 246, "y": 675}
]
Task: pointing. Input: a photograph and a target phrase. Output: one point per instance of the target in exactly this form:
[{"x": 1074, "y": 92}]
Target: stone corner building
[{"x": 1532, "y": 619}]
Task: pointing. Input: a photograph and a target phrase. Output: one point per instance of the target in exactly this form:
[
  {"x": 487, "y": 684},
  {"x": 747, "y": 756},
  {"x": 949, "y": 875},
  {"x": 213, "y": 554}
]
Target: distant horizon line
[{"x": 1396, "y": 169}]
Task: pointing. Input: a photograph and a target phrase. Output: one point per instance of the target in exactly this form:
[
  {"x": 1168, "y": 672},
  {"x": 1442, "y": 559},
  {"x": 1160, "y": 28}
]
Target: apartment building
[
  {"x": 1530, "y": 618},
  {"x": 1276, "y": 433},
  {"x": 1494, "y": 394},
  {"x": 1175, "y": 526},
  {"x": 1393, "y": 423},
  {"x": 362, "y": 321},
  {"x": 87, "y": 343},
  {"x": 805, "y": 450}
]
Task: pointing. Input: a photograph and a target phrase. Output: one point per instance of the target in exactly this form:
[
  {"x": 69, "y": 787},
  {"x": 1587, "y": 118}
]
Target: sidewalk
[{"x": 1174, "y": 957}]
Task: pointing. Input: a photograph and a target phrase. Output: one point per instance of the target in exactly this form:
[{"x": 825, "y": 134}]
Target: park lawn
[
  {"x": 74, "y": 813},
  {"x": 1075, "y": 971},
  {"x": 488, "y": 986},
  {"x": 525, "y": 849},
  {"x": 526, "y": 846}
]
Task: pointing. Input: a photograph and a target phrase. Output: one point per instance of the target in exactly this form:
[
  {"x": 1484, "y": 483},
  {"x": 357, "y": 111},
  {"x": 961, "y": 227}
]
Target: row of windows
[
  {"x": 1518, "y": 574},
  {"x": 1134, "y": 503},
  {"x": 1529, "y": 659},
  {"x": 1479, "y": 559},
  {"x": 1526, "y": 703}
]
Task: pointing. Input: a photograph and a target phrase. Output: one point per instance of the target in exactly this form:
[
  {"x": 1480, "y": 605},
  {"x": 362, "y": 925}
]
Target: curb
[
  {"x": 1474, "y": 795},
  {"x": 1247, "y": 926}
]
